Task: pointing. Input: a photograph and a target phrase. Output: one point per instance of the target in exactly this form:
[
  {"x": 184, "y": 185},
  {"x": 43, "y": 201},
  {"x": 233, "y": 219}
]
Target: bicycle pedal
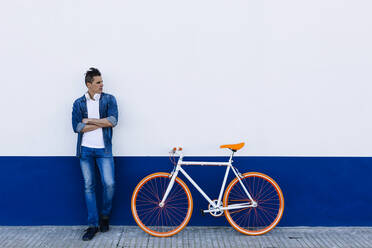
[{"x": 202, "y": 212}]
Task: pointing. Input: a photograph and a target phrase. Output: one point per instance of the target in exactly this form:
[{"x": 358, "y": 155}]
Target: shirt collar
[{"x": 96, "y": 97}]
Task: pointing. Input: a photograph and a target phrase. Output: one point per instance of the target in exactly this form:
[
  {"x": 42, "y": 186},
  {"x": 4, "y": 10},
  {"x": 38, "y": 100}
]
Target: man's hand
[{"x": 85, "y": 120}]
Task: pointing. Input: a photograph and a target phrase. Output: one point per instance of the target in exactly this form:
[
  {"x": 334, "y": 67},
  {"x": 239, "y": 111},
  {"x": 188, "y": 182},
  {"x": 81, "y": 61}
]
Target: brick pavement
[{"x": 132, "y": 236}]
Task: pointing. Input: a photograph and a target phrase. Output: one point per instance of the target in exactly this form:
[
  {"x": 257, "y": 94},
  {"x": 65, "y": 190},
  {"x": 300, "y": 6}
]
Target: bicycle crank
[{"x": 215, "y": 212}]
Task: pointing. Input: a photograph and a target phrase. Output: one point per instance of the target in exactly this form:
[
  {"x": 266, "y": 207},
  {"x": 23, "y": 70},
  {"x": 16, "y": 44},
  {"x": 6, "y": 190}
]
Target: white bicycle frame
[{"x": 215, "y": 206}]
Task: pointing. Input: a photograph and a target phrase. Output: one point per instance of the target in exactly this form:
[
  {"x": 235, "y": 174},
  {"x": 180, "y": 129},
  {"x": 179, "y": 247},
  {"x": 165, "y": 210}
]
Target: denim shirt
[{"x": 108, "y": 109}]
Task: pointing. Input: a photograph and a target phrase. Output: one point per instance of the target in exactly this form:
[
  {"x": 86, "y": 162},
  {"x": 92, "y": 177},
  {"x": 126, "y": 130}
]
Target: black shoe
[
  {"x": 104, "y": 223},
  {"x": 89, "y": 233}
]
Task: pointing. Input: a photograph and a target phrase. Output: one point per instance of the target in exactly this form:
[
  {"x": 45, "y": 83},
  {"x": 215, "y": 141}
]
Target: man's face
[{"x": 96, "y": 86}]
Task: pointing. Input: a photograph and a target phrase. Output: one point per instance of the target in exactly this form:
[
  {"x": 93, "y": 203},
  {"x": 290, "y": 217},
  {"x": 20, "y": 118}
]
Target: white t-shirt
[{"x": 93, "y": 139}]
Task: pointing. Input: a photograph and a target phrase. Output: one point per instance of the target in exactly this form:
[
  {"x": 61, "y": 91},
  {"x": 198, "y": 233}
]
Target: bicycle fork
[
  {"x": 173, "y": 176},
  {"x": 170, "y": 185}
]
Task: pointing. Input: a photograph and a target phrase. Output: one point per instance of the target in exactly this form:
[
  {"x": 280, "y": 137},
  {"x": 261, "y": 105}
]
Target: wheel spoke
[
  {"x": 267, "y": 195},
  {"x": 172, "y": 216}
]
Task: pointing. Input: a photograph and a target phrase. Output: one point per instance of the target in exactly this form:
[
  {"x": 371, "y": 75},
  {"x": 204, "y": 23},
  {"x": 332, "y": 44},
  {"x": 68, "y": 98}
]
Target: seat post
[{"x": 231, "y": 156}]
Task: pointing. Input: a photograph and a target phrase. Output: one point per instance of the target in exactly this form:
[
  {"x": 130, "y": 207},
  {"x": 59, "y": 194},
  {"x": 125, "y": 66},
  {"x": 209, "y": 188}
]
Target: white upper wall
[{"x": 286, "y": 77}]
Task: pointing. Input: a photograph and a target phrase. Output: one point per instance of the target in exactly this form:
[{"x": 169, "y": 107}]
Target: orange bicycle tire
[
  {"x": 137, "y": 217},
  {"x": 280, "y": 200}
]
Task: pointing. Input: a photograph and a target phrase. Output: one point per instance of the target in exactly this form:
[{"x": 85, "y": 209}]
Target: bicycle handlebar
[{"x": 175, "y": 149}]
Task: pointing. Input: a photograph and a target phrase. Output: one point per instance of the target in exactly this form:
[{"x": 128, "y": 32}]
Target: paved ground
[{"x": 132, "y": 236}]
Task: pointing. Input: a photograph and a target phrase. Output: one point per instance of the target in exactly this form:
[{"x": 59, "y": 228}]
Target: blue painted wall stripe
[{"x": 318, "y": 191}]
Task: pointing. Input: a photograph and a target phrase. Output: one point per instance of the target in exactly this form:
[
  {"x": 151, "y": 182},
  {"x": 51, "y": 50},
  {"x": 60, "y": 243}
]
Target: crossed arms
[
  {"x": 93, "y": 124},
  {"x": 82, "y": 125}
]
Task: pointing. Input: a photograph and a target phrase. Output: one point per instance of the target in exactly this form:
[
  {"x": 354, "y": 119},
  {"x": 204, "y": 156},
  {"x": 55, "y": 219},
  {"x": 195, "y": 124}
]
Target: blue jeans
[{"x": 90, "y": 157}]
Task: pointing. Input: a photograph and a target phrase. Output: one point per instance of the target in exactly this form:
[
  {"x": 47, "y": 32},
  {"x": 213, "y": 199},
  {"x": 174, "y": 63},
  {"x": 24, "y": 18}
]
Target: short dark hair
[{"x": 92, "y": 72}]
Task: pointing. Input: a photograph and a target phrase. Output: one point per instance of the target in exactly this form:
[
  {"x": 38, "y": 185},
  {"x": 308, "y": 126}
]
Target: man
[{"x": 93, "y": 117}]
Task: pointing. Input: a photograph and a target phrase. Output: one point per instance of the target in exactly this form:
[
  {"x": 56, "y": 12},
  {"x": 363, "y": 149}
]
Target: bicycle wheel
[
  {"x": 270, "y": 204},
  {"x": 161, "y": 221}
]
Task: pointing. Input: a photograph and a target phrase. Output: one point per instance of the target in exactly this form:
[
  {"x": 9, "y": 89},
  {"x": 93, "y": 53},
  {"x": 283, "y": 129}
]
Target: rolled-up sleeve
[
  {"x": 112, "y": 113},
  {"x": 112, "y": 120},
  {"x": 80, "y": 126},
  {"x": 77, "y": 124}
]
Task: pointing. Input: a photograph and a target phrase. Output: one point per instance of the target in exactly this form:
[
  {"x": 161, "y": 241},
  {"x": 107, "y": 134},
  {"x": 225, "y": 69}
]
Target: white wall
[{"x": 287, "y": 77}]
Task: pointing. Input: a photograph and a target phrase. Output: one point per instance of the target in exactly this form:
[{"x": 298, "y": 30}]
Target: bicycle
[{"x": 162, "y": 204}]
